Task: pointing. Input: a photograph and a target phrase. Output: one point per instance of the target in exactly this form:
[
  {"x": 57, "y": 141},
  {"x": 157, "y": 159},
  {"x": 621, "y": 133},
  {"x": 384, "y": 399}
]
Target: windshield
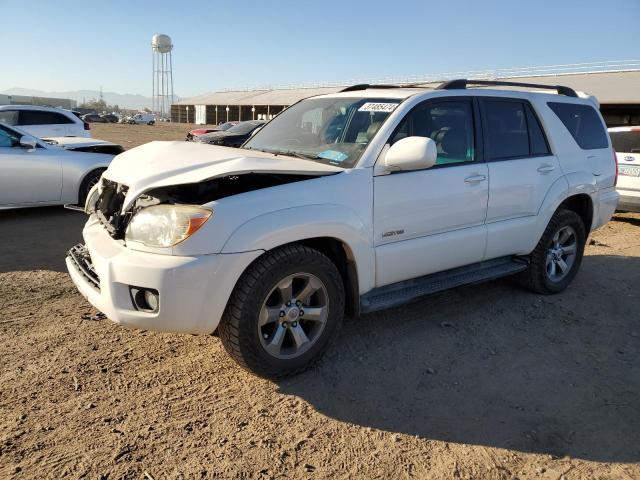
[
  {"x": 626, "y": 142},
  {"x": 244, "y": 127},
  {"x": 328, "y": 130}
]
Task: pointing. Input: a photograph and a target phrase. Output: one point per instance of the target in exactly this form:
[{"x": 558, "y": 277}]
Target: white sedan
[
  {"x": 626, "y": 143},
  {"x": 36, "y": 173}
]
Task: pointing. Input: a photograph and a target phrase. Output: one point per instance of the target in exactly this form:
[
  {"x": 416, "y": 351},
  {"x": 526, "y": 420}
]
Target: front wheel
[
  {"x": 557, "y": 257},
  {"x": 284, "y": 311},
  {"x": 87, "y": 184}
]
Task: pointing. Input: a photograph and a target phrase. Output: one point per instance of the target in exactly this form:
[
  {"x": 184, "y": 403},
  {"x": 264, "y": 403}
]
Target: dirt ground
[{"x": 486, "y": 382}]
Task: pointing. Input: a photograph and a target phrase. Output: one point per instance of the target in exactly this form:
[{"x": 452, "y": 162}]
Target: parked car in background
[
  {"x": 44, "y": 121},
  {"x": 626, "y": 143},
  {"x": 345, "y": 203},
  {"x": 110, "y": 117},
  {"x": 142, "y": 118},
  {"x": 34, "y": 172},
  {"x": 196, "y": 132},
  {"x": 234, "y": 136},
  {"x": 94, "y": 118},
  {"x": 82, "y": 144}
]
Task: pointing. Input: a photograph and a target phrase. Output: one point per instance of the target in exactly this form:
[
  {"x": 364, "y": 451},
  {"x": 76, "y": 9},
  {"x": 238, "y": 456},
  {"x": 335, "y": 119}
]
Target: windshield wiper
[{"x": 291, "y": 153}]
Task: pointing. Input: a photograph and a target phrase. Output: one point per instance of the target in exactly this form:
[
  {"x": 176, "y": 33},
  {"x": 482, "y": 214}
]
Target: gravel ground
[{"x": 487, "y": 381}]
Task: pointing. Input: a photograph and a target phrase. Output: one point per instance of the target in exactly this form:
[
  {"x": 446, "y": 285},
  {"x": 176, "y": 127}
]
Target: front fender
[{"x": 299, "y": 223}]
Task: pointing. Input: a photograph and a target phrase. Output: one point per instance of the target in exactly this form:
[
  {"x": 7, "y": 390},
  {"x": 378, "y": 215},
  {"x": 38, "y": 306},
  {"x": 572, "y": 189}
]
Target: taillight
[
  {"x": 87, "y": 126},
  {"x": 615, "y": 159}
]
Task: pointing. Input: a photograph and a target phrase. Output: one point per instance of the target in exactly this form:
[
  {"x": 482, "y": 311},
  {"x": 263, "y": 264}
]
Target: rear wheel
[
  {"x": 150, "y": 122},
  {"x": 557, "y": 257},
  {"x": 284, "y": 312}
]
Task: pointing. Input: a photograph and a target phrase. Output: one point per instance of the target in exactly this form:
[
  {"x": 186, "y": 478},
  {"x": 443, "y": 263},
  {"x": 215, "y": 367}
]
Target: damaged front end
[{"x": 108, "y": 204}]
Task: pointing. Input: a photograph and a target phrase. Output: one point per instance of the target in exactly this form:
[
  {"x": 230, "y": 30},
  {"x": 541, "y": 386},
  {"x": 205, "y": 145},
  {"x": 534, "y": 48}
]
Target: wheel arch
[
  {"x": 84, "y": 178},
  {"x": 582, "y": 204}
]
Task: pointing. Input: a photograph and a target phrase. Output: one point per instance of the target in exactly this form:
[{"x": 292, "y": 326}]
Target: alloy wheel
[
  {"x": 293, "y": 315},
  {"x": 561, "y": 253}
]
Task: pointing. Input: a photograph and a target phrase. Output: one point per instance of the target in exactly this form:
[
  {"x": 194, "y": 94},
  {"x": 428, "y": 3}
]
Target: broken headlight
[
  {"x": 92, "y": 199},
  {"x": 166, "y": 225}
]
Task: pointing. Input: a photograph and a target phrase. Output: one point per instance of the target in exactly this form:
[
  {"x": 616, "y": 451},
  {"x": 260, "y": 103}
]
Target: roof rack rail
[
  {"x": 365, "y": 86},
  {"x": 462, "y": 83}
]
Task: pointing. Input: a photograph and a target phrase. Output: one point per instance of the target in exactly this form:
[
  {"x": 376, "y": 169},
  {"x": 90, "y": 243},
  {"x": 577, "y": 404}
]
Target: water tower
[{"x": 162, "y": 93}]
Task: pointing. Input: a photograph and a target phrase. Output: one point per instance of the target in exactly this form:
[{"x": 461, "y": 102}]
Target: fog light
[
  {"x": 152, "y": 299},
  {"x": 145, "y": 299}
]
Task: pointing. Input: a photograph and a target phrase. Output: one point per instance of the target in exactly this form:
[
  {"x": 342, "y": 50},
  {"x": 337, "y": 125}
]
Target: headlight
[
  {"x": 166, "y": 225},
  {"x": 92, "y": 198}
]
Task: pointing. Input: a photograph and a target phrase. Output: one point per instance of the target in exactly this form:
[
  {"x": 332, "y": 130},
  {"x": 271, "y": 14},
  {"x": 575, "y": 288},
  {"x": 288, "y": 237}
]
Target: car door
[
  {"x": 433, "y": 220},
  {"x": 41, "y": 123},
  {"x": 522, "y": 170},
  {"x": 28, "y": 176}
]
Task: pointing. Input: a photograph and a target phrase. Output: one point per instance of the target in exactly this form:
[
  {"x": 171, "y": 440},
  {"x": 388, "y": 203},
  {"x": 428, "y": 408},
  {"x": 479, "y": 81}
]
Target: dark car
[
  {"x": 234, "y": 137},
  {"x": 110, "y": 117},
  {"x": 196, "y": 132},
  {"x": 93, "y": 118}
]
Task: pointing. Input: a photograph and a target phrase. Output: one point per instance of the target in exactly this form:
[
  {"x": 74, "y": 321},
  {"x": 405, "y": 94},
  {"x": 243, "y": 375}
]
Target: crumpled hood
[{"x": 159, "y": 164}]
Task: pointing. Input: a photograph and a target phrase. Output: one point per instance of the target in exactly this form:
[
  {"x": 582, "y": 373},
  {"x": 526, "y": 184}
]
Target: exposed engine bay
[{"x": 108, "y": 207}]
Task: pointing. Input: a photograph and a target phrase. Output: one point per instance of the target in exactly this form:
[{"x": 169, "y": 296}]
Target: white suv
[
  {"x": 344, "y": 204},
  {"x": 626, "y": 143},
  {"x": 44, "y": 121}
]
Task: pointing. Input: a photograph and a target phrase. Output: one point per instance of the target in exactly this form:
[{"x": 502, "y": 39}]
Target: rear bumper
[
  {"x": 193, "y": 291},
  {"x": 629, "y": 200},
  {"x": 607, "y": 202}
]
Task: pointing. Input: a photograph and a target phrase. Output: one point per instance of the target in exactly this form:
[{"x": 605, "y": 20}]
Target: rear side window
[
  {"x": 9, "y": 117},
  {"x": 513, "y": 131},
  {"x": 625, "y": 142},
  {"x": 35, "y": 117},
  {"x": 584, "y": 124}
]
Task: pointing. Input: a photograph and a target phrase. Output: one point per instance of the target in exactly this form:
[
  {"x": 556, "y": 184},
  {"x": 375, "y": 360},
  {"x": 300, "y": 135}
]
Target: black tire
[
  {"x": 536, "y": 277},
  {"x": 239, "y": 330},
  {"x": 151, "y": 122},
  {"x": 88, "y": 182}
]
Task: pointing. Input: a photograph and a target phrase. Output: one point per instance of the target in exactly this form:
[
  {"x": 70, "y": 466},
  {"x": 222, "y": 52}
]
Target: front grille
[{"x": 80, "y": 257}]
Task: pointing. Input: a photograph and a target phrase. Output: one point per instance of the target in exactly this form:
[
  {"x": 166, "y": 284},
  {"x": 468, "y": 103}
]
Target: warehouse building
[
  {"x": 615, "y": 85},
  {"x": 41, "y": 101}
]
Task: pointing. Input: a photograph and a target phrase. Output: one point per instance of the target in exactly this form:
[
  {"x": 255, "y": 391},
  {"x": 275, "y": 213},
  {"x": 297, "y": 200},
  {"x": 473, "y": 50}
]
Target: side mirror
[
  {"x": 411, "y": 153},
  {"x": 28, "y": 142}
]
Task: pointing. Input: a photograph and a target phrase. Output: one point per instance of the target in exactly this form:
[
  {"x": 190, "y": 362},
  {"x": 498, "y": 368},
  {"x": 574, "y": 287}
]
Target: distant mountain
[{"x": 123, "y": 100}]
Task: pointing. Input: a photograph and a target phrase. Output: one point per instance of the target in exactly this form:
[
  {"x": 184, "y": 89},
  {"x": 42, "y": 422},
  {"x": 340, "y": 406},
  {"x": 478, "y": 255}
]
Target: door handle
[
  {"x": 546, "y": 168},
  {"x": 475, "y": 179}
]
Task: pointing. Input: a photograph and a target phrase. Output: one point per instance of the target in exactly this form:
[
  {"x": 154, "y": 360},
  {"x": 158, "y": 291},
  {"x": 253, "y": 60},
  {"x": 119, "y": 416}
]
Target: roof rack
[
  {"x": 463, "y": 83},
  {"x": 365, "y": 86}
]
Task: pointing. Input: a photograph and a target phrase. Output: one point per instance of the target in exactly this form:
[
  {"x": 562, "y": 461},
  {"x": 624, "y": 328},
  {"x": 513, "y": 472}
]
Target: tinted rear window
[
  {"x": 584, "y": 124},
  {"x": 36, "y": 117},
  {"x": 626, "y": 142},
  {"x": 513, "y": 130}
]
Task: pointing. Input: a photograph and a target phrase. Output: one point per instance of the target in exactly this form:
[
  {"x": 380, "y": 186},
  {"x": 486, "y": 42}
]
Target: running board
[{"x": 406, "y": 291}]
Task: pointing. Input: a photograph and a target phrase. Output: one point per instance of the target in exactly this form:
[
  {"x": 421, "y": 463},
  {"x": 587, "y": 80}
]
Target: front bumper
[
  {"x": 193, "y": 291},
  {"x": 629, "y": 200}
]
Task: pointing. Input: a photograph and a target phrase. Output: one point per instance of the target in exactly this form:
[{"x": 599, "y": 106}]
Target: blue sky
[{"x": 70, "y": 45}]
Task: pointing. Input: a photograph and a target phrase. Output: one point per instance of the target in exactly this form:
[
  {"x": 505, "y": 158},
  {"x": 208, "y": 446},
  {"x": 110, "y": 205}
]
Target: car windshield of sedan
[
  {"x": 243, "y": 127},
  {"x": 335, "y": 131}
]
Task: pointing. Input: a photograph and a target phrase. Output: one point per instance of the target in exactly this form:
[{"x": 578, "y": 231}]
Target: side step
[{"x": 406, "y": 291}]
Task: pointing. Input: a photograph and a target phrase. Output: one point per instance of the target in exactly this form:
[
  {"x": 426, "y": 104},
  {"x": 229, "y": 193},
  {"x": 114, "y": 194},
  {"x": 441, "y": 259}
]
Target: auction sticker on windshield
[
  {"x": 333, "y": 155},
  {"x": 378, "y": 107}
]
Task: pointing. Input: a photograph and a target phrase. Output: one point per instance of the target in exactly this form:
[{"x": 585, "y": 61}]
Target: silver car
[{"x": 36, "y": 173}]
